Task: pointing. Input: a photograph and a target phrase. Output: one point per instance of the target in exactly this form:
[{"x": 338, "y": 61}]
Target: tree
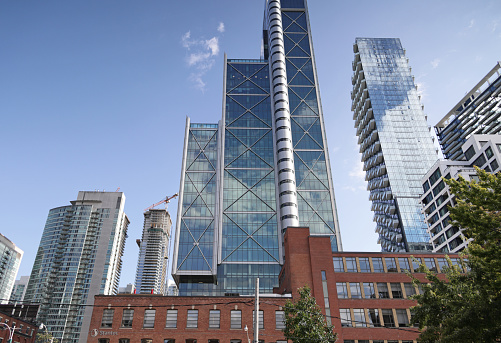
[
  {"x": 304, "y": 322},
  {"x": 45, "y": 337},
  {"x": 467, "y": 307}
]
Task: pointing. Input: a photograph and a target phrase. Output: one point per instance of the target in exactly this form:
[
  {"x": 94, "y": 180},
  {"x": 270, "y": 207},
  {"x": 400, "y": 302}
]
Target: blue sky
[{"x": 94, "y": 94}]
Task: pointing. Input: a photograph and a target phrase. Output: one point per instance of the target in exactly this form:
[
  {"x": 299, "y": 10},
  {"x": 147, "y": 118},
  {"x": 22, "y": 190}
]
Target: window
[
  {"x": 103, "y": 340},
  {"x": 396, "y": 291},
  {"x": 430, "y": 263},
  {"x": 236, "y": 319},
  {"x": 389, "y": 321},
  {"x": 369, "y": 292},
  {"x": 409, "y": 289},
  {"x": 359, "y": 317},
  {"x": 168, "y": 340},
  {"x": 192, "y": 319},
  {"x": 146, "y": 340},
  {"x": 127, "y": 316},
  {"x": 213, "y": 341},
  {"x": 149, "y": 319},
  {"x": 342, "y": 290},
  {"x": 480, "y": 161},
  {"x": 345, "y": 317},
  {"x": 338, "y": 264},
  {"x": 435, "y": 176},
  {"x": 426, "y": 186},
  {"x": 124, "y": 340},
  {"x": 261, "y": 322},
  {"x": 404, "y": 264},
  {"x": 324, "y": 276},
  {"x": 488, "y": 152},
  {"x": 391, "y": 265},
  {"x": 107, "y": 321},
  {"x": 415, "y": 263},
  {"x": 356, "y": 293},
  {"x": 235, "y": 341},
  {"x": 279, "y": 320},
  {"x": 171, "y": 321},
  {"x": 214, "y": 319},
  {"x": 374, "y": 317},
  {"x": 365, "y": 267},
  {"x": 377, "y": 263},
  {"x": 402, "y": 318},
  {"x": 494, "y": 165},
  {"x": 470, "y": 153},
  {"x": 190, "y": 340},
  {"x": 351, "y": 265},
  {"x": 382, "y": 288}
]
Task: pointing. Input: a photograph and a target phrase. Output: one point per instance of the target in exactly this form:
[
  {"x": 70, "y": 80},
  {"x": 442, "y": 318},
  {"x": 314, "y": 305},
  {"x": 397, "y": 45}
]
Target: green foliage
[
  {"x": 45, "y": 337},
  {"x": 304, "y": 322},
  {"x": 467, "y": 308}
]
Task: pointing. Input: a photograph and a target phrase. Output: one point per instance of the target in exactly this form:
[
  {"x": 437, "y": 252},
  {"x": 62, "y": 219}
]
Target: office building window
[
  {"x": 279, "y": 320},
  {"x": 409, "y": 289},
  {"x": 391, "y": 265},
  {"x": 345, "y": 317},
  {"x": 236, "y": 319},
  {"x": 169, "y": 340},
  {"x": 396, "y": 291},
  {"x": 124, "y": 340},
  {"x": 127, "y": 316},
  {"x": 146, "y": 340},
  {"x": 402, "y": 318},
  {"x": 359, "y": 317},
  {"x": 443, "y": 264},
  {"x": 365, "y": 266},
  {"x": 149, "y": 319},
  {"x": 374, "y": 317},
  {"x": 342, "y": 290},
  {"x": 351, "y": 265},
  {"x": 171, "y": 321},
  {"x": 103, "y": 340},
  {"x": 377, "y": 263},
  {"x": 369, "y": 292},
  {"x": 389, "y": 321},
  {"x": 260, "y": 319},
  {"x": 404, "y": 264},
  {"x": 214, "y": 319},
  {"x": 338, "y": 264},
  {"x": 191, "y": 340},
  {"x": 430, "y": 263},
  {"x": 192, "y": 319},
  {"x": 213, "y": 341},
  {"x": 356, "y": 293},
  {"x": 382, "y": 288},
  {"x": 107, "y": 321},
  {"x": 416, "y": 261}
]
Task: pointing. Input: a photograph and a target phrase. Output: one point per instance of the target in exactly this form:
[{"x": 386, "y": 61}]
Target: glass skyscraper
[
  {"x": 262, "y": 168},
  {"x": 395, "y": 142},
  {"x": 79, "y": 256},
  {"x": 10, "y": 259}
]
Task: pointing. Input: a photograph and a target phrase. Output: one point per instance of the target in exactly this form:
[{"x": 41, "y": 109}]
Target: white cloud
[
  {"x": 357, "y": 172},
  {"x": 220, "y": 28},
  {"x": 421, "y": 89},
  {"x": 201, "y": 56},
  {"x": 472, "y": 23},
  {"x": 435, "y": 63},
  {"x": 495, "y": 24},
  {"x": 213, "y": 45}
]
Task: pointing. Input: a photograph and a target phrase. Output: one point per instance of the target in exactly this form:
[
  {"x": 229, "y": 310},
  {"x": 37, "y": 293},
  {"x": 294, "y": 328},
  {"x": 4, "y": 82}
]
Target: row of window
[
  {"x": 374, "y": 317},
  {"x": 29, "y": 330},
  {"x": 191, "y": 319},
  {"x": 389, "y": 264},
  {"x": 374, "y": 290},
  {"x": 172, "y": 340}
]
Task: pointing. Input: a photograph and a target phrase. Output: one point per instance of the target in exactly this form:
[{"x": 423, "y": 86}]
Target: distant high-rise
[
  {"x": 151, "y": 270},
  {"x": 10, "y": 259},
  {"x": 395, "y": 142},
  {"x": 80, "y": 255},
  {"x": 19, "y": 289},
  {"x": 263, "y": 168},
  {"x": 478, "y": 112}
]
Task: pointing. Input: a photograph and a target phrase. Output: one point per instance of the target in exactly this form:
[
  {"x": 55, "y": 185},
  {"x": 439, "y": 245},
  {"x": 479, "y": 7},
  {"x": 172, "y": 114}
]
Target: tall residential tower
[
  {"x": 264, "y": 167},
  {"x": 80, "y": 255},
  {"x": 395, "y": 142},
  {"x": 10, "y": 259},
  {"x": 153, "y": 252}
]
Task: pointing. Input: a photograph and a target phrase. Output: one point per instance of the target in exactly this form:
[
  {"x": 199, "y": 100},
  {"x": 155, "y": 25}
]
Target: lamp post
[
  {"x": 11, "y": 331},
  {"x": 247, "y": 332}
]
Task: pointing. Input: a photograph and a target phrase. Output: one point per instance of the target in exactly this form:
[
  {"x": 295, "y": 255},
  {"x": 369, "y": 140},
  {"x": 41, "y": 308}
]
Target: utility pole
[{"x": 256, "y": 313}]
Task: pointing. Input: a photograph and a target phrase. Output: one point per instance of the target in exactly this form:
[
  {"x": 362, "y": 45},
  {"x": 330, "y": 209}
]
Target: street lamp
[
  {"x": 247, "y": 332},
  {"x": 43, "y": 326},
  {"x": 11, "y": 331}
]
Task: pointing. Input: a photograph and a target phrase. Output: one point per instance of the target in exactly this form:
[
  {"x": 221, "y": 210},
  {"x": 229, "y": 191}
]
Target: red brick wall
[{"x": 20, "y": 336}]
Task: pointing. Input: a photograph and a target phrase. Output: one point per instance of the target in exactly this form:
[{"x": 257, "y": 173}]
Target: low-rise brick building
[
  {"x": 364, "y": 295},
  {"x": 21, "y": 320}
]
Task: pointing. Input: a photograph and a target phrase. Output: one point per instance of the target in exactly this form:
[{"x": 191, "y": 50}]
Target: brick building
[
  {"x": 364, "y": 295},
  {"x": 22, "y": 318}
]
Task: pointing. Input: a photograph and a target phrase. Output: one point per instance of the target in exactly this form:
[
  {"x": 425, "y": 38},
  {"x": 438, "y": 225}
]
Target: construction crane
[{"x": 166, "y": 201}]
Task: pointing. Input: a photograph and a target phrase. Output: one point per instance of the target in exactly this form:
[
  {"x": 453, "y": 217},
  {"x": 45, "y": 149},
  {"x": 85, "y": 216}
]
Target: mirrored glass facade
[
  {"x": 395, "y": 142},
  {"x": 270, "y": 168}
]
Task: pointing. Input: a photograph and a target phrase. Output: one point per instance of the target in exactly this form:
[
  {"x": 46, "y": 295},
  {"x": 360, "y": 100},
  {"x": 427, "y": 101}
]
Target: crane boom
[{"x": 166, "y": 200}]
